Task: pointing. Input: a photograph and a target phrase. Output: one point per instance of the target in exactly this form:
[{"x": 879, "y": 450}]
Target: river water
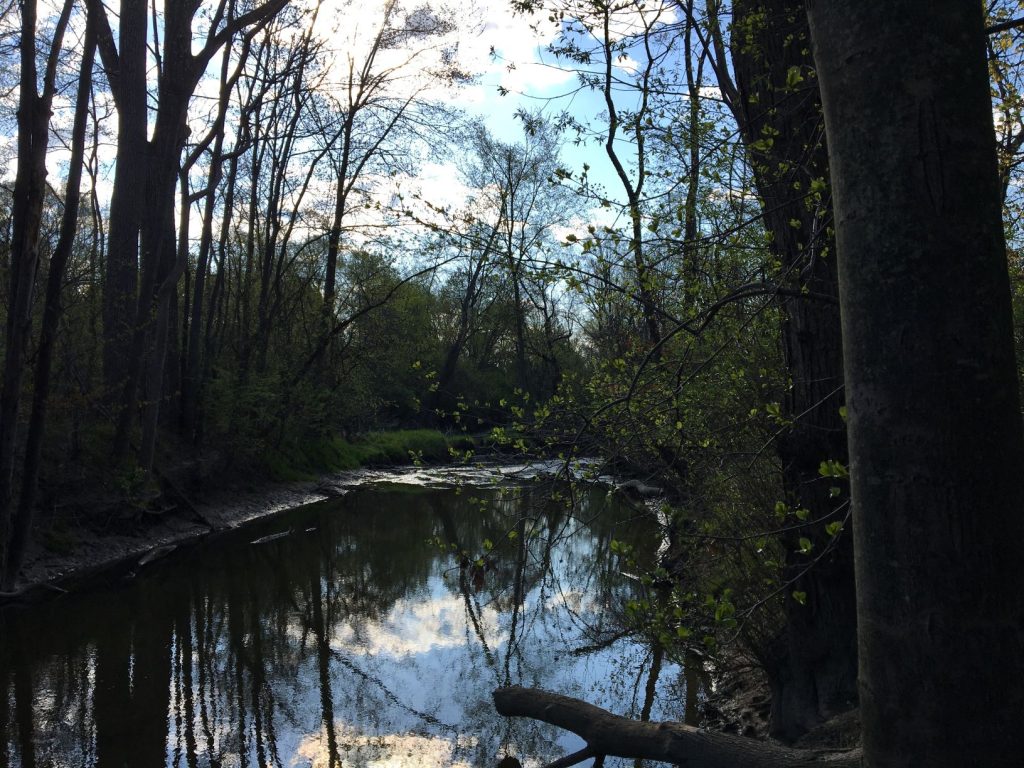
[{"x": 372, "y": 634}]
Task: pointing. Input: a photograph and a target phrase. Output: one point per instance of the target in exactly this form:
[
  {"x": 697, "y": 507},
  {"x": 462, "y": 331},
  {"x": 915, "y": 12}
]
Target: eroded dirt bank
[{"x": 132, "y": 539}]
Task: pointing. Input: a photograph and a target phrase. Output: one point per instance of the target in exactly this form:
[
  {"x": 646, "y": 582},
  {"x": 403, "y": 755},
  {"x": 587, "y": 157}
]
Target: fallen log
[{"x": 614, "y": 736}]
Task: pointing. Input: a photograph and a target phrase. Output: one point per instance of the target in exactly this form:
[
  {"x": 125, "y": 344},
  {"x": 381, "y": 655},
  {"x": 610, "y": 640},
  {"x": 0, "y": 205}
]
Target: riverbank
[
  {"x": 738, "y": 705},
  {"x": 113, "y": 532}
]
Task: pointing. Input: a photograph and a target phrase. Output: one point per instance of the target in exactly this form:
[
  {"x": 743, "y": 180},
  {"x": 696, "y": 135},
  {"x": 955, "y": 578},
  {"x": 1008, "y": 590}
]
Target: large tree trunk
[
  {"x": 127, "y": 74},
  {"x": 936, "y": 443},
  {"x": 142, "y": 203},
  {"x": 812, "y": 668}
]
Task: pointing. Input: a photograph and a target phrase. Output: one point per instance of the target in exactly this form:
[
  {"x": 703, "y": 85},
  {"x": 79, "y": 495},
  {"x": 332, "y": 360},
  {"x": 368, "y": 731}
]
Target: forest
[{"x": 760, "y": 256}]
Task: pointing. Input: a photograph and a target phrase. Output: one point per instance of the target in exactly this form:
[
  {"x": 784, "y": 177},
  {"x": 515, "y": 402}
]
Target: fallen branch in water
[
  {"x": 614, "y": 736},
  {"x": 271, "y": 537}
]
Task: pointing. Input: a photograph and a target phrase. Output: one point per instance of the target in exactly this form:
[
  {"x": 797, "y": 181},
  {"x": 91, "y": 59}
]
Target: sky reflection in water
[{"x": 237, "y": 654}]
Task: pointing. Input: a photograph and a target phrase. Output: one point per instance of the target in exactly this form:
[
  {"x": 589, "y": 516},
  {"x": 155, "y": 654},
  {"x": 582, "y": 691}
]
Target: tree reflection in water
[{"x": 373, "y": 635}]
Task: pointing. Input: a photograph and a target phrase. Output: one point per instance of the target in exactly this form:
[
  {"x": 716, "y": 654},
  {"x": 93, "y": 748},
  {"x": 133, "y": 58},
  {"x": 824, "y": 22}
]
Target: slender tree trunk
[
  {"x": 26, "y": 218},
  {"x": 693, "y": 83},
  {"x": 51, "y": 316},
  {"x": 645, "y": 278},
  {"x": 219, "y": 298},
  {"x": 340, "y": 204},
  {"x": 192, "y": 374},
  {"x": 936, "y": 443}
]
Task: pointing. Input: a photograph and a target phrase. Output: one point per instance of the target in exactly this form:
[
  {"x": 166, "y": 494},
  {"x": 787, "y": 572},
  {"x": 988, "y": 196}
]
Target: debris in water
[{"x": 271, "y": 537}]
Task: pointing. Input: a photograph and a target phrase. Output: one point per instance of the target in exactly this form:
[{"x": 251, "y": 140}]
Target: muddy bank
[
  {"x": 84, "y": 554},
  {"x": 87, "y": 553}
]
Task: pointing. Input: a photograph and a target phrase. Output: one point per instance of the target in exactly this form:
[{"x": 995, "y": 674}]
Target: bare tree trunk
[
  {"x": 340, "y": 206},
  {"x": 26, "y": 218},
  {"x": 936, "y": 442},
  {"x": 126, "y": 71},
  {"x": 177, "y": 79},
  {"x": 192, "y": 374},
  {"x": 51, "y": 316},
  {"x": 645, "y": 277}
]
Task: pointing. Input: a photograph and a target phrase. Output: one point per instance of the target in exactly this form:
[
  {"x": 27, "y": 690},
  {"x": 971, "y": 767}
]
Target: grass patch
[{"x": 333, "y": 454}]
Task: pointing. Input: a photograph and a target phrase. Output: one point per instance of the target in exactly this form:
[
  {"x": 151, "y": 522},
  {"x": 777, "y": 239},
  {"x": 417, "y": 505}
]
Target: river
[{"x": 370, "y": 635}]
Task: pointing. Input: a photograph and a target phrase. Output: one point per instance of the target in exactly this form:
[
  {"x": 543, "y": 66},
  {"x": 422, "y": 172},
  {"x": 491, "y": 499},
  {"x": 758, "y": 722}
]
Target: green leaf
[
  {"x": 832, "y": 468},
  {"x": 800, "y": 597},
  {"x": 805, "y": 545},
  {"x": 833, "y": 528}
]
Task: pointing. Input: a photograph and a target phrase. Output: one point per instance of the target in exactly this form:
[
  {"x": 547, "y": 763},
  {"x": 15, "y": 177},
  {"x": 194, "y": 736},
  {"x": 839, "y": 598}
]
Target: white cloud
[
  {"x": 417, "y": 627},
  {"x": 627, "y": 63}
]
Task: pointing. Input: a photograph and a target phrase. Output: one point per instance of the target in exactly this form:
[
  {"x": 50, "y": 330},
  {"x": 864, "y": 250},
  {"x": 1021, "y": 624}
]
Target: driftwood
[
  {"x": 614, "y": 736},
  {"x": 271, "y": 537},
  {"x": 640, "y": 488},
  {"x": 156, "y": 553}
]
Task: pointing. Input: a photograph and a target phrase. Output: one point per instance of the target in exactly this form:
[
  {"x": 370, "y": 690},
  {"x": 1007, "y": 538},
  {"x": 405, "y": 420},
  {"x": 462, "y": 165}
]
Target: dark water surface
[{"x": 360, "y": 639}]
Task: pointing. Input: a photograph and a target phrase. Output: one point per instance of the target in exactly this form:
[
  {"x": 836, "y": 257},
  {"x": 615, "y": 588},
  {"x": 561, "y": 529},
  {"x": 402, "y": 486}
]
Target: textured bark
[
  {"x": 126, "y": 72},
  {"x": 936, "y": 442},
  {"x": 26, "y": 218},
  {"x": 51, "y": 318},
  {"x": 812, "y": 668},
  {"x": 614, "y": 736}
]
